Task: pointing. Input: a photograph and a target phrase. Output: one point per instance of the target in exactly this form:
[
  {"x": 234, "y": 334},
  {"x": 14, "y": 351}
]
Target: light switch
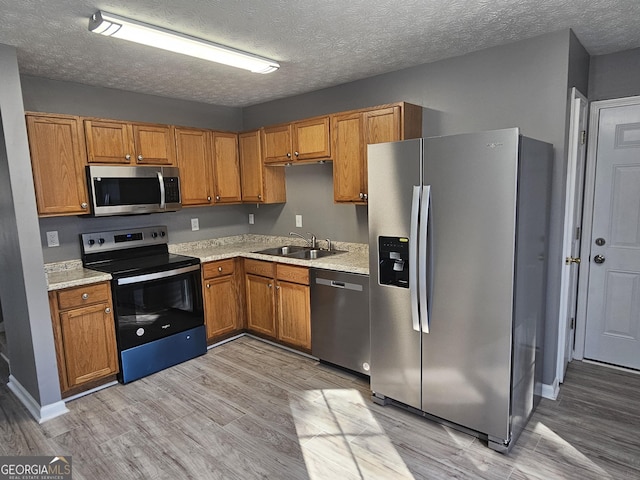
[
  {"x": 298, "y": 220},
  {"x": 252, "y": 219},
  {"x": 195, "y": 224}
]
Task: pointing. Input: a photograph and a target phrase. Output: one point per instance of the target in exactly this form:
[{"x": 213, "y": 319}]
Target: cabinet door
[
  {"x": 226, "y": 168},
  {"x": 348, "y": 157},
  {"x": 89, "y": 343},
  {"x": 380, "y": 126},
  {"x": 294, "y": 314},
  {"x": 109, "y": 142},
  {"x": 193, "y": 150},
  {"x": 251, "y": 166},
  {"x": 311, "y": 139},
  {"x": 276, "y": 144},
  {"x": 57, "y": 159},
  {"x": 260, "y": 305},
  {"x": 154, "y": 144},
  {"x": 221, "y": 306}
]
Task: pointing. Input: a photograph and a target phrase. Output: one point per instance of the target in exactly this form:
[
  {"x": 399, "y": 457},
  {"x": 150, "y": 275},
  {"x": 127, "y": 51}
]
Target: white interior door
[
  {"x": 613, "y": 300},
  {"x": 573, "y": 219}
]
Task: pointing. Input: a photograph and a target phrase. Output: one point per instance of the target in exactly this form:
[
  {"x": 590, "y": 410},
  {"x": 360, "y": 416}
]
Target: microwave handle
[{"x": 162, "y": 194}]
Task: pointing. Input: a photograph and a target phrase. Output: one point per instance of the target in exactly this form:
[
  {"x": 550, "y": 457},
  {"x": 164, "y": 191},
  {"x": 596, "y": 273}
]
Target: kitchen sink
[
  {"x": 296, "y": 251},
  {"x": 283, "y": 251},
  {"x": 313, "y": 253}
]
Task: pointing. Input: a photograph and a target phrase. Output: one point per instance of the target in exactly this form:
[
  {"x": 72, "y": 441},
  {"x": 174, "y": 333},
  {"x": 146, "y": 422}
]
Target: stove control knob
[
  {"x": 92, "y": 242},
  {"x": 162, "y": 234},
  {"x": 101, "y": 241},
  {"x": 154, "y": 235}
]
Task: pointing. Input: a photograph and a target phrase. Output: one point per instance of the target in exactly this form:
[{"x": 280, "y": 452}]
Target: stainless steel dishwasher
[{"x": 340, "y": 319}]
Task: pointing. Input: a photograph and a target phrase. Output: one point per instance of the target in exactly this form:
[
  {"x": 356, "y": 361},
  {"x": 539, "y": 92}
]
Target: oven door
[{"x": 156, "y": 305}]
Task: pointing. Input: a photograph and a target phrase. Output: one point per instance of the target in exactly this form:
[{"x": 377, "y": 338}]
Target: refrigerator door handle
[
  {"x": 423, "y": 257},
  {"x": 413, "y": 258}
]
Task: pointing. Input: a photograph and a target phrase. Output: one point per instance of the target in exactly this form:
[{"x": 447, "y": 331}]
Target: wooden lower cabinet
[
  {"x": 278, "y": 302},
  {"x": 222, "y": 299},
  {"x": 85, "y": 337}
]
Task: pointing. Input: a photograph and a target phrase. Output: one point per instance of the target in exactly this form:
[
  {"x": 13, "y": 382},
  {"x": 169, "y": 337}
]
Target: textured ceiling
[{"x": 318, "y": 43}]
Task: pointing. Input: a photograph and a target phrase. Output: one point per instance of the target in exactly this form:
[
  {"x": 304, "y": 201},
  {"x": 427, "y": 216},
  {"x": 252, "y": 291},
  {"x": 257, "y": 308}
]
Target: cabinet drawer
[
  {"x": 257, "y": 267},
  {"x": 218, "y": 269},
  {"x": 80, "y": 296},
  {"x": 291, "y": 273}
]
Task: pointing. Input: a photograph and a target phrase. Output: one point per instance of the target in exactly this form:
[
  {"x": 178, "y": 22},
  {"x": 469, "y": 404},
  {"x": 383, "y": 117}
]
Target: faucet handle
[
  {"x": 313, "y": 239},
  {"x": 328, "y": 240}
]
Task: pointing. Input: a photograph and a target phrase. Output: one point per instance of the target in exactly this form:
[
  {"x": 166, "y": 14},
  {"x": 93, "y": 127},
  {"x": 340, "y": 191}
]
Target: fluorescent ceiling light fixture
[{"x": 116, "y": 26}]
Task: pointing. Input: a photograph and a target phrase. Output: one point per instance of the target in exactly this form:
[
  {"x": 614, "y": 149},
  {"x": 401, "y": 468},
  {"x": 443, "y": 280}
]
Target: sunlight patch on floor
[{"x": 352, "y": 444}]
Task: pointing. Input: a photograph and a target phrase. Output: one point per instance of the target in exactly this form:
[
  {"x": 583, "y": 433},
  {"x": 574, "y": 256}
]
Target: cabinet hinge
[
  {"x": 583, "y": 137},
  {"x": 573, "y": 323},
  {"x": 578, "y": 233}
]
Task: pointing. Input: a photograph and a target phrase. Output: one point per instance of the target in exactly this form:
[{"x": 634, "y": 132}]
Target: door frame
[
  {"x": 587, "y": 216},
  {"x": 575, "y": 166}
]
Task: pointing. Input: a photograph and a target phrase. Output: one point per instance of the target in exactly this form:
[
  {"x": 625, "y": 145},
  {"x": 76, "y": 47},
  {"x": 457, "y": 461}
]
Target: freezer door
[
  {"x": 467, "y": 352},
  {"x": 394, "y": 172}
]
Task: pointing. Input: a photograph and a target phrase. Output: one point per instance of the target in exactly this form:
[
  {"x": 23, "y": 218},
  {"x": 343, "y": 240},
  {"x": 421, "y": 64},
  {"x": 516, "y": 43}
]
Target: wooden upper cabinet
[
  {"x": 114, "y": 142},
  {"x": 351, "y": 132},
  {"x": 259, "y": 183},
  {"x": 276, "y": 144},
  {"x": 154, "y": 144},
  {"x": 311, "y": 140},
  {"x": 194, "y": 158},
  {"x": 226, "y": 167},
  {"x": 109, "y": 142},
  {"x": 302, "y": 141},
  {"x": 58, "y": 158}
]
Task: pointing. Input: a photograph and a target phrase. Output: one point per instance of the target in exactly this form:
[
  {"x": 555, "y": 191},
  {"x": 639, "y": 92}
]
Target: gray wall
[
  {"x": 43, "y": 95},
  {"x": 524, "y": 84},
  {"x": 23, "y": 286},
  {"x": 615, "y": 75}
]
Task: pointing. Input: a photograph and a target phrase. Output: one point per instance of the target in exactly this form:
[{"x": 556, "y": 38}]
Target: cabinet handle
[
  {"x": 85, "y": 296},
  {"x": 127, "y": 157},
  {"x": 84, "y": 205},
  {"x": 361, "y": 195},
  {"x": 277, "y": 287},
  {"x": 107, "y": 310},
  {"x": 288, "y": 155},
  {"x": 220, "y": 269},
  {"x": 217, "y": 197},
  {"x": 208, "y": 199},
  {"x": 208, "y": 285},
  {"x": 270, "y": 286},
  {"x": 140, "y": 158},
  {"x": 259, "y": 197},
  {"x": 365, "y": 196},
  {"x": 296, "y": 154}
]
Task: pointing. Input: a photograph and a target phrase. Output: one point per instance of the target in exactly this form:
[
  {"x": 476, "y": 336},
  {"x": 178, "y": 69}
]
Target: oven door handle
[{"x": 157, "y": 275}]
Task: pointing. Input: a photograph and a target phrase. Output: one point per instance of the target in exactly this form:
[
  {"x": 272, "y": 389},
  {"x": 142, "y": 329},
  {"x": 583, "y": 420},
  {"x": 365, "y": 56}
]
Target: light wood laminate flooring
[{"x": 250, "y": 410}]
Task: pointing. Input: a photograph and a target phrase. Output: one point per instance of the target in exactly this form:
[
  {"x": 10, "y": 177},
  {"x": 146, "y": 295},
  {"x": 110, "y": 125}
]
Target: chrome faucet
[
  {"x": 311, "y": 242},
  {"x": 328, "y": 240}
]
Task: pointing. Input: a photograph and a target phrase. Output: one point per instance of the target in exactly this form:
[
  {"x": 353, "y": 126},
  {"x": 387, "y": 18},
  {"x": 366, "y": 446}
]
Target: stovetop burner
[{"x": 135, "y": 251}]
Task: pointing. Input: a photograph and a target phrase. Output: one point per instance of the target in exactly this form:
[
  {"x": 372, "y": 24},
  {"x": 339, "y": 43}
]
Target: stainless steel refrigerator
[{"x": 458, "y": 229}]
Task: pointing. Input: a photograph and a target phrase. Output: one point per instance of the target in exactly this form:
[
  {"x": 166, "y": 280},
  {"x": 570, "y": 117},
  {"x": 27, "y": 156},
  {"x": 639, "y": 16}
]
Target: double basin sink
[{"x": 296, "y": 251}]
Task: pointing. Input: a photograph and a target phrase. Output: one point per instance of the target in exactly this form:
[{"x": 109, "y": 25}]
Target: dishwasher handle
[{"x": 337, "y": 284}]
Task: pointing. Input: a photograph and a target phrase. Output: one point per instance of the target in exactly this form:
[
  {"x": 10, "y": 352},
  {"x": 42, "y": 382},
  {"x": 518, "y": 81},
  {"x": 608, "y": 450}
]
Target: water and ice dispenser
[{"x": 393, "y": 257}]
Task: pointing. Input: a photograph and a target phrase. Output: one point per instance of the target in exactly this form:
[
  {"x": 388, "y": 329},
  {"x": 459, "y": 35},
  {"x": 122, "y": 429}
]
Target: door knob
[
  {"x": 598, "y": 259},
  {"x": 600, "y": 241},
  {"x": 570, "y": 260}
]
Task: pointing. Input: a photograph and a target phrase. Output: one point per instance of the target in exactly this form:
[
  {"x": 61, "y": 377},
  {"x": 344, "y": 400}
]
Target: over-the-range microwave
[{"x": 115, "y": 190}]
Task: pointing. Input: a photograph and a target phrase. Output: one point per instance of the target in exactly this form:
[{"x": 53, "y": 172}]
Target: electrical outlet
[
  {"x": 195, "y": 224},
  {"x": 298, "y": 220},
  {"x": 52, "y": 239},
  {"x": 252, "y": 219}
]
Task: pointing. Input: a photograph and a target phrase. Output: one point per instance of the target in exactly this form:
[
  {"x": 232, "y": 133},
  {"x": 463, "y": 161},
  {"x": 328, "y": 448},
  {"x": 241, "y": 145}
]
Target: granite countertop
[{"x": 355, "y": 258}]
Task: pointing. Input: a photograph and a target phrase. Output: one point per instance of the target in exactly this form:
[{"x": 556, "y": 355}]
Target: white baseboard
[
  {"x": 40, "y": 413},
  {"x": 551, "y": 391}
]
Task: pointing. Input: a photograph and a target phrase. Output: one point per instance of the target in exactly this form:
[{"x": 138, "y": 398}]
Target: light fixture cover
[{"x": 120, "y": 27}]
